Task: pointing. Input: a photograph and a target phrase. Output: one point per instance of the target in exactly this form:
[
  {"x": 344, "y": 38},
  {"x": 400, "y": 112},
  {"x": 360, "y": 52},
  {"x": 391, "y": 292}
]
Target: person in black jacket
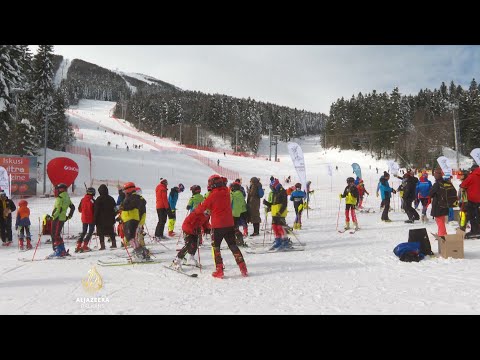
[
  {"x": 438, "y": 212},
  {"x": 104, "y": 213},
  {"x": 409, "y": 189},
  {"x": 6, "y": 207}
]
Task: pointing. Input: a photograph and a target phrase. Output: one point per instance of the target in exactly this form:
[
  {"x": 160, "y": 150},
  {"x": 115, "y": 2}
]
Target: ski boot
[
  {"x": 218, "y": 273},
  {"x": 276, "y": 244},
  {"x": 29, "y": 244},
  {"x": 78, "y": 248},
  {"x": 177, "y": 264},
  {"x": 20, "y": 244},
  {"x": 355, "y": 224},
  {"x": 347, "y": 225},
  {"x": 243, "y": 269}
]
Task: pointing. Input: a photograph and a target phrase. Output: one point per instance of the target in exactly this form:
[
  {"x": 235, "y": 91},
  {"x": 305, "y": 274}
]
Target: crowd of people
[{"x": 225, "y": 211}]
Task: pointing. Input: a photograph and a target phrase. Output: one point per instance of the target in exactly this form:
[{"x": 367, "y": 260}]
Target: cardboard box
[{"x": 452, "y": 245}]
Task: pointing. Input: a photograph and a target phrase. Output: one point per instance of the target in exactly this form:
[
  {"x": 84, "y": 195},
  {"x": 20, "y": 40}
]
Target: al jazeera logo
[{"x": 92, "y": 284}]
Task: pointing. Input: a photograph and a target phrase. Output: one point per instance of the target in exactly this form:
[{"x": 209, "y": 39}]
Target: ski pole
[
  {"x": 36, "y": 247},
  {"x": 198, "y": 249},
  {"x": 265, "y": 227},
  {"x": 338, "y": 216}
]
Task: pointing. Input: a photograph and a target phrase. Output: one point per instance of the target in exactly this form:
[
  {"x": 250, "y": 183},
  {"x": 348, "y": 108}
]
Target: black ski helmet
[
  {"x": 91, "y": 191},
  {"x": 350, "y": 180},
  {"x": 298, "y": 186},
  {"x": 195, "y": 189}
]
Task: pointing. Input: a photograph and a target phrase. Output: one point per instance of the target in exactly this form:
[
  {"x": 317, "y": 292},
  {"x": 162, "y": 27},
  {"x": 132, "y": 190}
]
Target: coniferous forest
[
  {"x": 411, "y": 129},
  {"x": 29, "y": 101}
]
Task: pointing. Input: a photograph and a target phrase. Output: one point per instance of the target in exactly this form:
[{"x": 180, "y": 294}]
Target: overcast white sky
[{"x": 305, "y": 77}]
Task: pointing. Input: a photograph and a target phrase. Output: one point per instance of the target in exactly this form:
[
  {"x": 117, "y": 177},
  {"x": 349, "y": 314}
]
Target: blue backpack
[
  {"x": 409, "y": 251},
  {"x": 260, "y": 192}
]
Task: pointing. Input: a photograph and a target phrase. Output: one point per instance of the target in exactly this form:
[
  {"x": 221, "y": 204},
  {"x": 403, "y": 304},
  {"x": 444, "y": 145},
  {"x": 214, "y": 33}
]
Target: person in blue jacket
[
  {"x": 421, "y": 193},
  {"x": 385, "y": 192},
  {"x": 172, "y": 202},
  {"x": 297, "y": 197}
]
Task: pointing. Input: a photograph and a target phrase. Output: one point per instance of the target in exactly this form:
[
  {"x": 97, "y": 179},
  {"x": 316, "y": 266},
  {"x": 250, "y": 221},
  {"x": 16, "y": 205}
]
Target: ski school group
[
  {"x": 225, "y": 209},
  {"x": 221, "y": 213},
  {"x": 442, "y": 195}
]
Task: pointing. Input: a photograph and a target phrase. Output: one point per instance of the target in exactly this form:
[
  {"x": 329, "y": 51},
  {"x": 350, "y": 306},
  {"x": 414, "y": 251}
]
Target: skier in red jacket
[
  {"x": 192, "y": 227},
  {"x": 86, "y": 208},
  {"x": 218, "y": 202}
]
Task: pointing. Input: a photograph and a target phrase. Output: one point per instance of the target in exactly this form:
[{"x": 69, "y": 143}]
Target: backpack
[
  {"x": 260, "y": 192},
  {"x": 408, "y": 252},
  {"x": 447, "y": 195}
]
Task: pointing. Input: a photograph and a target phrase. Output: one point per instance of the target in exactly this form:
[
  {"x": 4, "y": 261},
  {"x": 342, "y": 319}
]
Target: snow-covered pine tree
[{"x": 47, "y": 102}]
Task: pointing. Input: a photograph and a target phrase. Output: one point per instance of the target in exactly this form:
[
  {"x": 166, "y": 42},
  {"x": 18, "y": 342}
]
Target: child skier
[
  {"x": 351, "y": 200},
  {"x": 192, "y": 227},
  {"x": 22, "y": 224},
  {"x": 196, "y": 198},
  {"x": 278, "y": 207},
  {"x": 297, "y": 197},
  {"x": 172, "y": 202},
  {"x": 422, "y": 190},
  {"x": 239, "y": 211},
  {"x": 86, "y": 208},
  {"x": 361, "y": 191}
]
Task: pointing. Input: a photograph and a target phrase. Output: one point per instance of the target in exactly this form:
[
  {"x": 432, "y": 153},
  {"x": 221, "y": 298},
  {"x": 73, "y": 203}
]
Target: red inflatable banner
[{"x": 62, "y": 170}]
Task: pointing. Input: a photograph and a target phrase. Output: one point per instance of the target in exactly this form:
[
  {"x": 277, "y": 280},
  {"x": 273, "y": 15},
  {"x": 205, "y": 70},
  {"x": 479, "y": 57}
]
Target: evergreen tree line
[
  {"x": 163, "y": 112},
  {"x": 27, "y": 98},
  {"x": 412, "y": 129}
]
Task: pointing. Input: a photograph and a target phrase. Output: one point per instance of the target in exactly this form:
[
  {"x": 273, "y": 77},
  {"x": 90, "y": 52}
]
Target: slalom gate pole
[{"x": 338, "y": 216}]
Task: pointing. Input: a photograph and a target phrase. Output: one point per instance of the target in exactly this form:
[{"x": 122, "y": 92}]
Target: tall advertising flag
[
  {"x": 357, "y": 170},
  {"x": 475, "y": 154},
  {"x": 445, "y": 165},
  {"x": 298, "y": 160}
]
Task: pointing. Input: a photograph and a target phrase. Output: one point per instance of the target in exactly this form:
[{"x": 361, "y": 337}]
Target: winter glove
[
  {"x": 393, "y": 190},
  {"x": 265, "y": 202},
  {"x": 340, "y": 196},
  {"x": 188, "y": 207},
  {"x": 377, "y": 194}
]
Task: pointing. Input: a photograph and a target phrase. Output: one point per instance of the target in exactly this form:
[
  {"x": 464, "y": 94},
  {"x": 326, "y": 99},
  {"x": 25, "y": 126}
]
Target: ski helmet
[
  {"x": 129, "y": 187},
  {"x": 235, "y": 186},
  {"x": 61, "y": 186},
  {"x": 195, "y": 189},
  {"x": 23, "y": 202},
  {"x": 163, "y": 181},
  {"x": 350, "y": 180},
  {"x": 298, "y": 186},
  {"x": 91, "y": 191},
  {"x": 181, "y": 187},
  {"x": 215, "y": 181}
]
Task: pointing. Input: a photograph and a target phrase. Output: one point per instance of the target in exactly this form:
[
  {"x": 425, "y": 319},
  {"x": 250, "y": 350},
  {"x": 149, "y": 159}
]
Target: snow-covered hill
[{"x": 336, "y": 274}]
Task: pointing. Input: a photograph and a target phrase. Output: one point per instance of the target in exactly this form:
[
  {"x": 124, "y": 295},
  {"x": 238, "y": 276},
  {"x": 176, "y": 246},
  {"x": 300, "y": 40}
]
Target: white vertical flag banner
[
  {"x": 330, "y": 173},
  {"x": 475, "y": 154},
  {"x": 445, "y": 165},
  {"x": 298, "y": 160},
  {"x": 4, "y": 181}
]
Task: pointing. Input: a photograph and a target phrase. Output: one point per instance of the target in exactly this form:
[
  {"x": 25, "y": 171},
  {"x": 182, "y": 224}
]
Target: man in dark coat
[
  {"x": 7, "y": 207},
  {"x": 253, "y": 205},
  {"x": 409, "y": 188},
  {"x": 104, "y": 215}
]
